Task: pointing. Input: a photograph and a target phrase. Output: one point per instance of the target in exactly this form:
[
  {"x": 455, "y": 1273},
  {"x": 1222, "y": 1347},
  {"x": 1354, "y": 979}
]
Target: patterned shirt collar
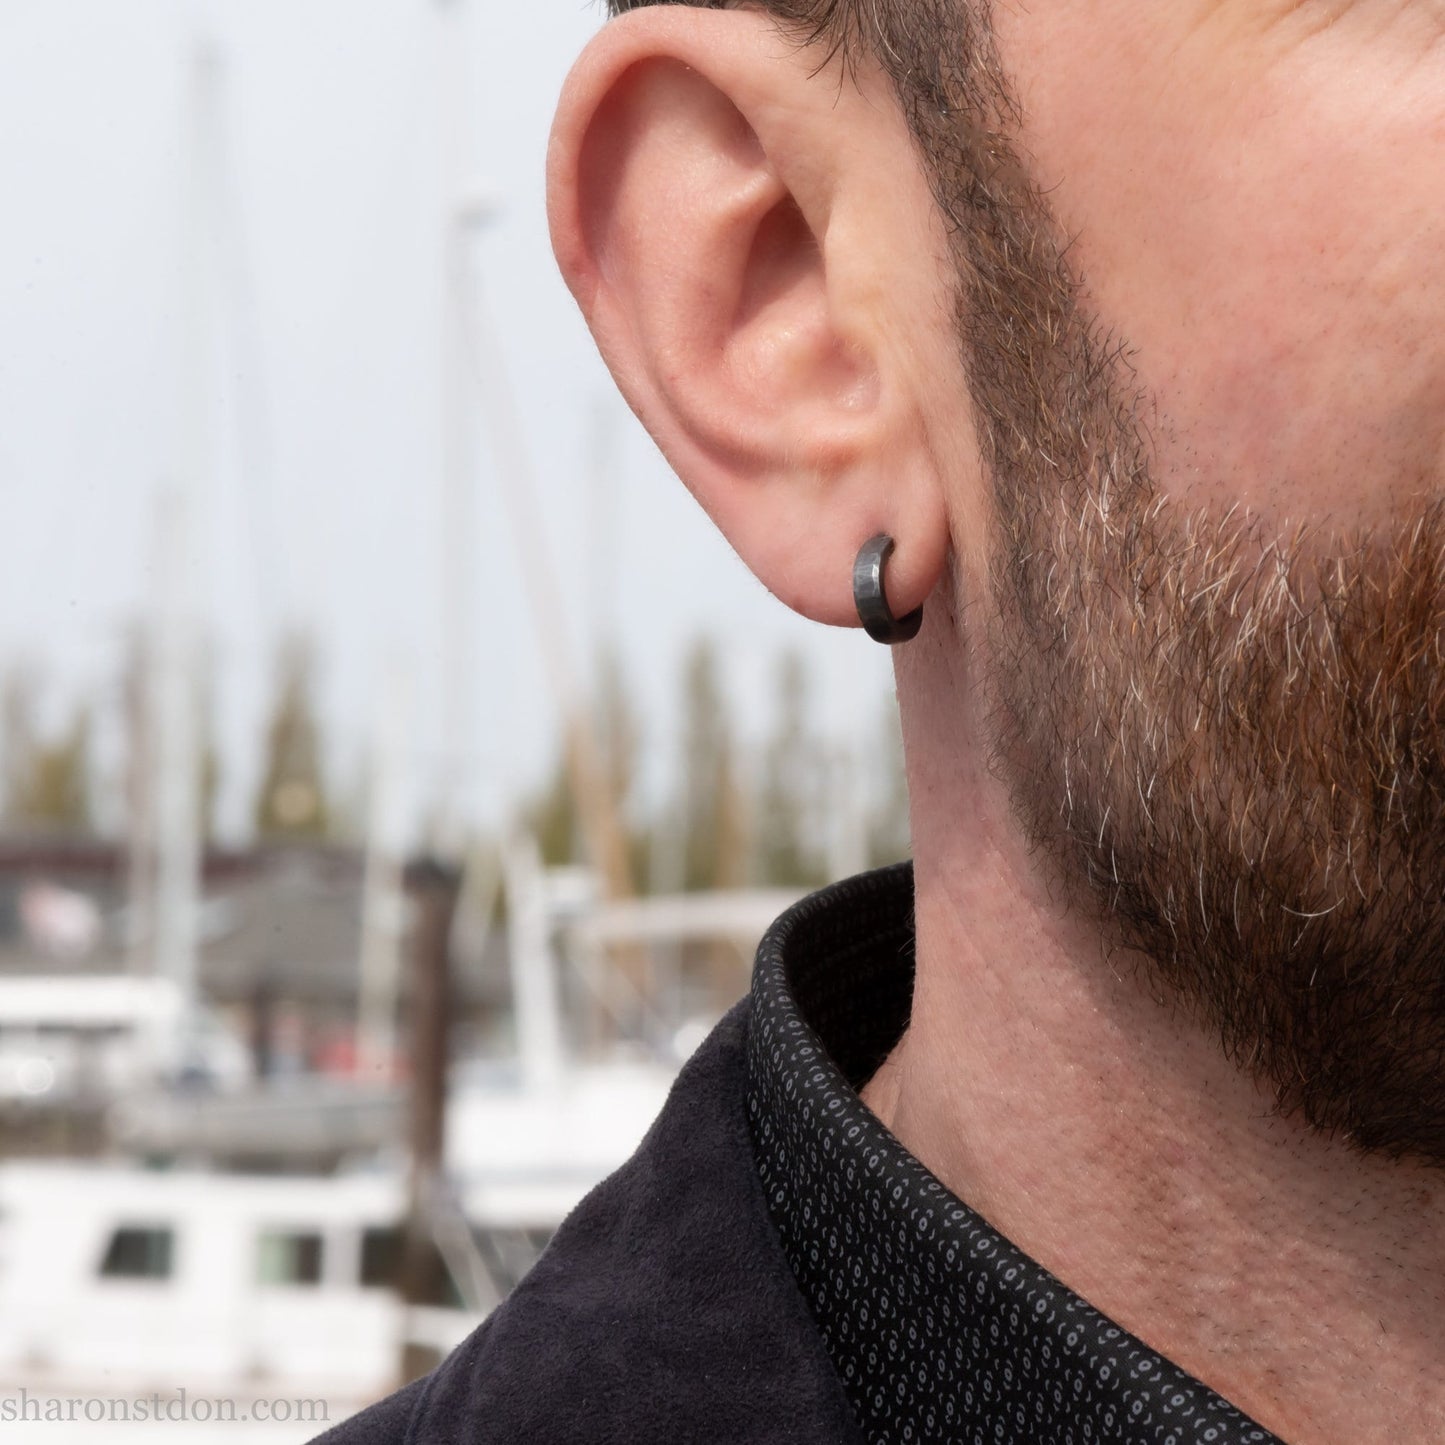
[{"x": 939, "y": 1328}]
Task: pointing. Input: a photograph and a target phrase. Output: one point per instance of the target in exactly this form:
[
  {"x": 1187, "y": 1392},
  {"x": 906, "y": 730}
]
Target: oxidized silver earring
[{"x": 871, "y": 600}]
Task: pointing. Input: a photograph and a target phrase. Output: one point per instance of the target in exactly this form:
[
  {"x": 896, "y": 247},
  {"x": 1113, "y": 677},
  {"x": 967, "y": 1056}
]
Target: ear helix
[{"x": 871, "y": 599}]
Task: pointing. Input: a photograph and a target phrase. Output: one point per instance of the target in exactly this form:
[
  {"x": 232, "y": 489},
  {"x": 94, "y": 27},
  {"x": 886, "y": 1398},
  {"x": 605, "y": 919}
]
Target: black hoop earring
[{"x": 871, "y": 600}]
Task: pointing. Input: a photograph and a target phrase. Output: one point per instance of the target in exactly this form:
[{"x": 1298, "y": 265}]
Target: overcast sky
[{"x": 323, "y": 509}]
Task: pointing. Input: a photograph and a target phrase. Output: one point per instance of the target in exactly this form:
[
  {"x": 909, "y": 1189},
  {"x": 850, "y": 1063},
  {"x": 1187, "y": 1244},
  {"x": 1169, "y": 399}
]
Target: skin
[
  {"x": 1255, "y": 189},
  {"x": 1252, "y": 189}
]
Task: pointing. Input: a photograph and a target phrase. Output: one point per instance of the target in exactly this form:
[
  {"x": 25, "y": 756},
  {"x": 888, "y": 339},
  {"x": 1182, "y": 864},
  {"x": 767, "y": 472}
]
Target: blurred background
[{"x": 396, "y": 769}]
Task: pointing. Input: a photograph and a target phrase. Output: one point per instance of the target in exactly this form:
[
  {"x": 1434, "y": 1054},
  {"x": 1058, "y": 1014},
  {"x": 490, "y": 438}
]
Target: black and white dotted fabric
[{"x": 940, "y": 1329}]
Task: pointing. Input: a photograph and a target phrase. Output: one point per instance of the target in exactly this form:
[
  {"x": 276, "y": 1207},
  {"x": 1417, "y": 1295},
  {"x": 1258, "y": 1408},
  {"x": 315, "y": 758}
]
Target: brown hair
[{"x": 938, "y": 53}]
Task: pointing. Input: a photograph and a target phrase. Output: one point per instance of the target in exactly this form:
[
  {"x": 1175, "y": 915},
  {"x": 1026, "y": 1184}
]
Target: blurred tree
[
  {"x": 790, "y": 788},
  {"x": 291, "y": 800},
  {"x": 347, "y": 806},
  {"x": 618, "y": 732},
  {"x": 138, "y": 762},
  {"x": 47, "y": 782},
  {"x": 889, "y": 840},
  {"x": 553, "y": 816},
  {"x": 18, "y": 706},
  {"x": 732, "y": 821},
  {"x": 714, "y": 826},
  {"x": 137, "y": 686},
  {"x": 209, "y": 784}
]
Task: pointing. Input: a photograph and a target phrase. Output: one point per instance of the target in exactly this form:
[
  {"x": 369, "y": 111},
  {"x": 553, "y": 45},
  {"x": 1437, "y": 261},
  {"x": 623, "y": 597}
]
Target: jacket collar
[{"x": 939, "y": 1328}]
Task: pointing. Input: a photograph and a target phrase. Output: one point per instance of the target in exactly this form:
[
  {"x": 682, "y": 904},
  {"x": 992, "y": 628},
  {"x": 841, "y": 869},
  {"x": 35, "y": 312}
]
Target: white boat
[
  {"x": 253, "y": 1297},
  {"x": 121, "y": 1281},
  {"x": 65, "y": 1040}
]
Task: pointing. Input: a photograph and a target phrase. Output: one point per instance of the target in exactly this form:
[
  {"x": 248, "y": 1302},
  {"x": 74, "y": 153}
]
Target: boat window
[
  {"x": 380, "y": 1256},
  {"x": 138, "y": 1251},
  {"x": 289, "y": 1256}
]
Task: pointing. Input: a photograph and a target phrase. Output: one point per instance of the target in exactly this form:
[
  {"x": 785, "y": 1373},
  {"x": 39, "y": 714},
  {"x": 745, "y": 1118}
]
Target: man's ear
[{"x": 746, "y": 228}]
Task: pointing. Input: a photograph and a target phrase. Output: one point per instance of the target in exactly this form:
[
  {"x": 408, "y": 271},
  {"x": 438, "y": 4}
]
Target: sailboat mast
[
  {"x": 177, "y": 650},
  {"x": 458, "y": 420}
]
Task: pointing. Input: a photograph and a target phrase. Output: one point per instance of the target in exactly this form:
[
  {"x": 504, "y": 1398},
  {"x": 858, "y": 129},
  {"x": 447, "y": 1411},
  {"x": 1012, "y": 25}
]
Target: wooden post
[{"x": 433, "y": 887}]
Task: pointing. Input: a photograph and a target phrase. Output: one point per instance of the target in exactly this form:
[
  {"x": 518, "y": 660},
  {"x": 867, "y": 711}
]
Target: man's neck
[{"x": 1111, "y": 1139}]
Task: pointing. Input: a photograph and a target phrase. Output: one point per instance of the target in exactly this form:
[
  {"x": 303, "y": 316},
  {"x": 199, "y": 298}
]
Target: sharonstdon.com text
[{"x": 180, "y": 1408}]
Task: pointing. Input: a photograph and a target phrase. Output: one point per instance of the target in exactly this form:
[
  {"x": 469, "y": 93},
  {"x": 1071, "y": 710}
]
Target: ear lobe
[{"x": 697, "y": 170}]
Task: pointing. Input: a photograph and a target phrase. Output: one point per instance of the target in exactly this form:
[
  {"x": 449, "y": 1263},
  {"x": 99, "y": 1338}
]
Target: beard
[
  {"x": 1231, "y": 746},
  {"x": 1225, "y": 737}
]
